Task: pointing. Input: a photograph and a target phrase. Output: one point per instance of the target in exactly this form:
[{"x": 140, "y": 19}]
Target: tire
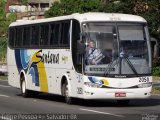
[
  {"x": 123, "y": 102},
  {"x": 68, "y": 99},
  {"x": 24, "y": 91}
]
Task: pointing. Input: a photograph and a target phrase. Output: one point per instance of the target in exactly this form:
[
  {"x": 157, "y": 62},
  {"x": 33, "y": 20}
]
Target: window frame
[{"x": 60, "y": 35}]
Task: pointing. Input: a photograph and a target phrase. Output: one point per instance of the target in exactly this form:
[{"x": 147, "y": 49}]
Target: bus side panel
[
  {"x": 77, "y": 84},
  {"x": 30, "y": 84},
  {"x": 13, "y": 74},
  {"x": 51, "y": 79},
  {"x": 36, "y": 75},
  {"x": 43, "y": 69},
  {"x": 64, "y": 69},
  {"x": 71, "y": 79}
]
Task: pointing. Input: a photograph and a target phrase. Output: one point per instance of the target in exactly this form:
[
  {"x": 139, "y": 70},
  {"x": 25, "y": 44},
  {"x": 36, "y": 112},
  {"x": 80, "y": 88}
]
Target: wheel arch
[{"x": 63, "y": 80}]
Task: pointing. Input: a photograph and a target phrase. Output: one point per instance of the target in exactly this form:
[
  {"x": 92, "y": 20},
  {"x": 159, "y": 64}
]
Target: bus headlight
[
  {"x": 144, "y": 85},
  {"x": 95, "y": 85}
]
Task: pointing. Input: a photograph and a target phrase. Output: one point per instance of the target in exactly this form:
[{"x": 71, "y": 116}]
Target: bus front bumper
[{"x": 102, "y": 93}]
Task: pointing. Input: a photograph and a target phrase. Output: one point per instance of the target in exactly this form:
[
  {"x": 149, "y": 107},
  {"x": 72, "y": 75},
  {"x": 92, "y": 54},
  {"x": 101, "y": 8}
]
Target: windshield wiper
[{"x": 130, "y": 64}]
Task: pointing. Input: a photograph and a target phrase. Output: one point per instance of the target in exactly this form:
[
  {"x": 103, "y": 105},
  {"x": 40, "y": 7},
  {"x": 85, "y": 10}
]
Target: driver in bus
[{"x": 93, "y": 55}]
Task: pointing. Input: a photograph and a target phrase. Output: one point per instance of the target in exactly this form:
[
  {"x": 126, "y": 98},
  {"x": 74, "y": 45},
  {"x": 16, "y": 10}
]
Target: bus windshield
[{"x": 116, "y": 48}]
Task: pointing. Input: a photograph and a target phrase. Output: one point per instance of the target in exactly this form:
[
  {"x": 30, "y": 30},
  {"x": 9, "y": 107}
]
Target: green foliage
[
  {"x": 149, "y": 9},
  {"x": 11, "y": 18},
  {"x": 2, "y": 13},
  {"x": 156, "y": 62},
  {"x": 156, "y": 71},
  {"x": 152, "y": 15},
  {"x": 123, "y": 6},
  {"x": 3, "y": 48},
  {"x": 24, "y": 2},
  {"x": 66, "y": 7},
  {"x": 156, "y": 67},
  {"x": 4, "y": 23}
]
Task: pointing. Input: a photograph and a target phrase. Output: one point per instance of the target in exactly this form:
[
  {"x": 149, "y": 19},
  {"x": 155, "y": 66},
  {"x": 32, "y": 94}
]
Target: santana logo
[
  {"x": 49, "y": 58},
  {"x": 34, "y": 66}
]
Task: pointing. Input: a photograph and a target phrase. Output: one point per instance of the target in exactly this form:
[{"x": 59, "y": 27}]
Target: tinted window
[
  {"x": 18, "y": 37},
  {"x": 65, "y": 33},
  {"x": 52, "y": 34},
  {"x": 26, "y": 36},
  {"x": 35, "y": 35},
  {"x": 55, "y": 34},
  {"x": 44, "y": 35},
  {"x": 57, "y": 31}
]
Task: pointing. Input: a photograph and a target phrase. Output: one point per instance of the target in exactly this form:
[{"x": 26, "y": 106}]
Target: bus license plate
[{"x": 120, "y": 94}]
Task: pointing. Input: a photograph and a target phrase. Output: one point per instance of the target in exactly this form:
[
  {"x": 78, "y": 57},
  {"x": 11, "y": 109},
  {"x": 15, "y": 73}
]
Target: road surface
[{"x": 48, "y": 107}]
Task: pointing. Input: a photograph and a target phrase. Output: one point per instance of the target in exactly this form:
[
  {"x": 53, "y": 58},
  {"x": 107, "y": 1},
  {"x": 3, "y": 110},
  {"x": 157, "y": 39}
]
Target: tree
[
  {"x": 149, "y": 9},
  {"x": 24, "y": 2},
  {"x": 2, "y": 13},
  {"x": 5, "y": 21},
  {"x": 2, "y": 17},
  {"x": 66, "y": 7},
  {"x": 151, "y": 12}
]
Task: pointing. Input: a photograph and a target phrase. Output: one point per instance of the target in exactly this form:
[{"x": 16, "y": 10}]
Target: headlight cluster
[
  {"x": 144, "y": 85},
  {"x": 95, "y": 85}
]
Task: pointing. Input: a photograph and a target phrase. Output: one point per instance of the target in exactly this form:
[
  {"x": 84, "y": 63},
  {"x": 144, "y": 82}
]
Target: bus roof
[{"x": 91, "y": 16}]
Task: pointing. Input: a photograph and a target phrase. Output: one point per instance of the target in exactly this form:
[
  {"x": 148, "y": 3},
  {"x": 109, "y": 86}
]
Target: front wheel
[{"x": 68, "y": 99}]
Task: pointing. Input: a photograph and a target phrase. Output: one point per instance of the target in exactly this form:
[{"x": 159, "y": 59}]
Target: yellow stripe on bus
[{"x": 42, "y": 73}]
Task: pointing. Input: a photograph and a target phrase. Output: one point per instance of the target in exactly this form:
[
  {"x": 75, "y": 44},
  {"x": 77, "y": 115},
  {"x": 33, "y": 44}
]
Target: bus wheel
[
  {"x": 68, "y": 99},
  {"x": 123, "y": 102},
  {"x": 24, "y": 91}
]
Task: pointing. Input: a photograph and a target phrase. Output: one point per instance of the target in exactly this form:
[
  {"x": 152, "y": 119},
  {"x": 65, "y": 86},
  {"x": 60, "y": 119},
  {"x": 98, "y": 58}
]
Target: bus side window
[
  {"x": 35, "y": 35},
  {"x": 44, "y": 35},
  {"x": 57, "y": 32},
  {"x": 18, "y": 37},
  {"x": 52, "y": 34},
  {"x": 26, "y": 37},
  {"x": 65, "y": 34}
]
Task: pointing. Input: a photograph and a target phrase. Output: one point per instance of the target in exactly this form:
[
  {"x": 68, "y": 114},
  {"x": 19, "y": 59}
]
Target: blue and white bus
[{"x": 49, "y": 55}]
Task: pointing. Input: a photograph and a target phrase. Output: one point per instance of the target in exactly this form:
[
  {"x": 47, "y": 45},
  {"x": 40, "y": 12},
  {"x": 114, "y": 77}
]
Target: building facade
[{"x": 35, "y": 9}]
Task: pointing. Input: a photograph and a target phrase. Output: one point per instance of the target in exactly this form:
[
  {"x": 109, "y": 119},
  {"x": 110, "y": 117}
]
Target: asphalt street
[{"x": 48, "y": 107}]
